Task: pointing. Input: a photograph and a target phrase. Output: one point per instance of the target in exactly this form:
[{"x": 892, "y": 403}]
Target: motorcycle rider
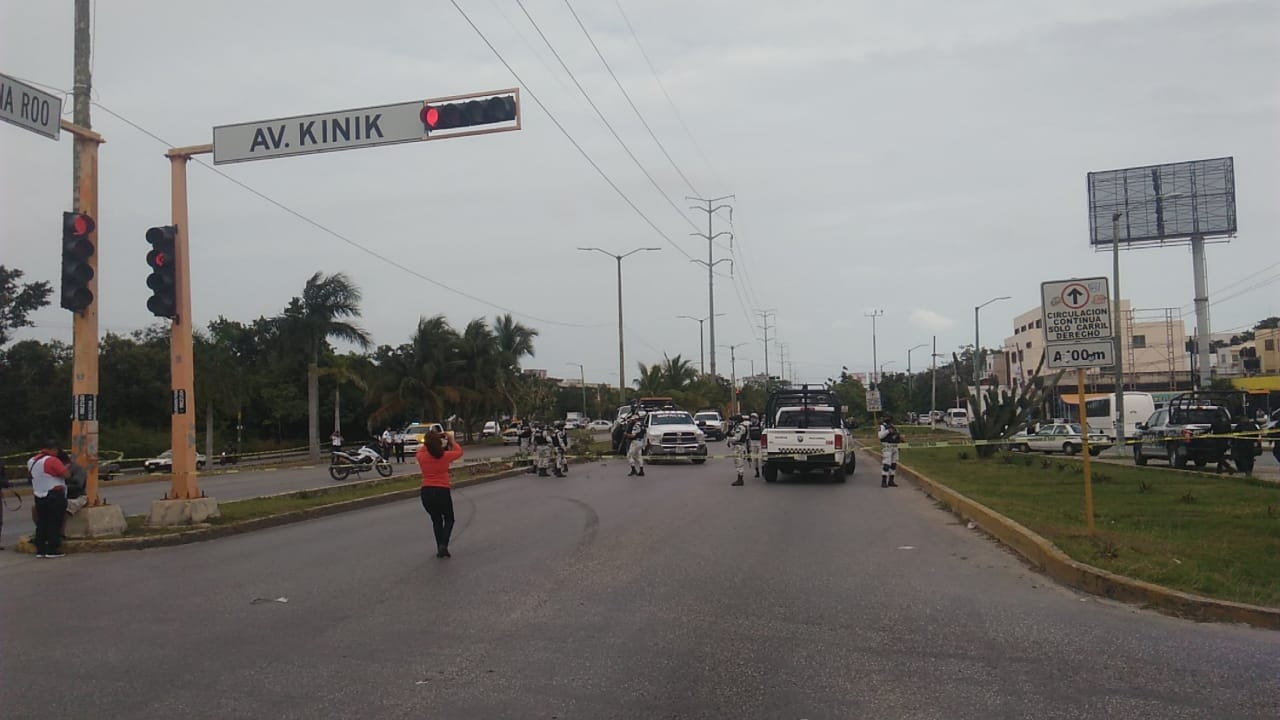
[
  {"x": 560, "y": 444},
  {"x": 889, "y": 439},
  {"x": 635, "y": 443},
  {"x": 739, "y": 438}
]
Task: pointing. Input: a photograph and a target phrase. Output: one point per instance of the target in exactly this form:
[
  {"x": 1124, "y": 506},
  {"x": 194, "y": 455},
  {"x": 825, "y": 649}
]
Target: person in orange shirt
[{"x": 437, "y": 451}]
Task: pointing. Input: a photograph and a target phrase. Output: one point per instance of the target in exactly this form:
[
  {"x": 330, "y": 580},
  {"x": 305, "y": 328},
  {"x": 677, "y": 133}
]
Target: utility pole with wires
[
  {"x": 82, "y": 85},
  {"x": 710, "y": 209},
  {"x": 764, "y": 314}
]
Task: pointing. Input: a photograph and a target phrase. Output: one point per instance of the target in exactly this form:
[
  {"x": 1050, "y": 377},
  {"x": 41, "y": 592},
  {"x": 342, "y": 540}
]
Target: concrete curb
[
  {"x": 213, "y": 532},
  {"x": 1046, "y": 557}
]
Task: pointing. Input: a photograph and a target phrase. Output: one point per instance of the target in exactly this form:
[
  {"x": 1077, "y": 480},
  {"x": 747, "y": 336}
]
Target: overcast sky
[{"x": 919, "y": 157}]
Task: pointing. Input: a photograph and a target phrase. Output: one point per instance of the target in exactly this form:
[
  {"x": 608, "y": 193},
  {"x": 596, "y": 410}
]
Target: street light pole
[
  {"x": 977, "y": 351},
  {"x": 582, "y": 379},
  {"x": 909, "y": 383},
  {"x": 933, "y": 377},
  {"x": 733, "y": 376},
  {"x": 875, "y": 382},
  {"x": 701, "y": 351},
  {"x": 1120, "y": 338},
  {"x": 622, "y": 370}
]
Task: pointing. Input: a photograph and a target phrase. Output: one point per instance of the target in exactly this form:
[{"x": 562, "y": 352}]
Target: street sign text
[
  {"x": 27, "y": 107},
  {"x": 323, "y": 132},
  {"x": 1076, "y": 310},
  {"x": 1097, "y": 353}
]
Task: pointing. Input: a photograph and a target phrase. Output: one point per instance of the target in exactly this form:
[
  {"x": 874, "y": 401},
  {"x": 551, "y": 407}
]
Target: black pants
[
  {"x": 438, "y": 502},
  {"x": 51, "y": 512},
  {"x": 399, "y": 452}
]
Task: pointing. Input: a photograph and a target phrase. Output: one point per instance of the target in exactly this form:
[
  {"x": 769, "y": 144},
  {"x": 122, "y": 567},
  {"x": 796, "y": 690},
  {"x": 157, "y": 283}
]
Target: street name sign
[
  {"x": 30, "y": 108},
  {"x": 322, "y": 132},
  {"x": 1078, "y": 331},
  {"x": 413, "y": 121}
]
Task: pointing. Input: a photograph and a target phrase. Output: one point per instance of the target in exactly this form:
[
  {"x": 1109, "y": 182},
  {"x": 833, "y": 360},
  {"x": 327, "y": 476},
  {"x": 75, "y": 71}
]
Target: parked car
[
  {"x": 1059, "y": 437},
  {"x": 490, "y": 429},
  {"x": 164, "y": 462},
  {"x": 511, "y": 436},
  {"x": 414, "y": 434},
  {"x": 710, "y": 423},
  {"x": 599, "y": 426},
  {"x": 1184, "y": 431}
]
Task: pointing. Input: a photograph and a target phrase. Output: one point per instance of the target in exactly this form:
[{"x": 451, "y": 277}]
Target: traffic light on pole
[
  {"x": 446, "y": 116},
  {"x": 163, "y": 279},
  {"x": 77, "y": 249}
]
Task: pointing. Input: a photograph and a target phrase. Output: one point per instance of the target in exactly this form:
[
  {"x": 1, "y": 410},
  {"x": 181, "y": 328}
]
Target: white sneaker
[{"x": 53, "y": 555}]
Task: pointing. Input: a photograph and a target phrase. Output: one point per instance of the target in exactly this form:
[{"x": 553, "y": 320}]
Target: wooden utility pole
[{"x": 84, "y": 324}]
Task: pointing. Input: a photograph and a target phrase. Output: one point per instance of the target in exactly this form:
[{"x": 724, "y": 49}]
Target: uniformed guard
[
  {"x": 560, "y": 441},
  {"x": 754, "y": 430},
  {"x": 542, "y": 449},
  {"x": 739, "y": 439},
  {"x": 526, "y": 444},
  {"x": 635, "y": 443},
  {"x": 889, "y": 439}
]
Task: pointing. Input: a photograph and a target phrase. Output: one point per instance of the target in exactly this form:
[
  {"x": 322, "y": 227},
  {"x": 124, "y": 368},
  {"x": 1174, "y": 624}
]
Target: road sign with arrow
[{"x": 1077, "y": 323}]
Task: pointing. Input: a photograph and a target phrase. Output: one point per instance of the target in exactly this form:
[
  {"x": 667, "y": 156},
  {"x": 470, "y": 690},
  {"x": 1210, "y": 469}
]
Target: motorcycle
[
  {"x": 228, "y": 457},
  {"x": 344, "y": 463}
]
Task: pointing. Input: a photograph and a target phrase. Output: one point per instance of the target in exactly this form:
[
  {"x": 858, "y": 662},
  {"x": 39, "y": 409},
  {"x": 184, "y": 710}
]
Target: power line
[
  {"x": 627, "y": 95},
  {"x": 667, "y": 95},
  {"x": 540, "y": 104},
  {"x": 605, "y": 120},
  {"x": 329, "y": 231}
]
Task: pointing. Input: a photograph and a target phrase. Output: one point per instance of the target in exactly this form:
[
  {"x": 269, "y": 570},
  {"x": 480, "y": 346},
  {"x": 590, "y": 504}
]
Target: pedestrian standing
[
  {"x": 635, "y": 445},
  {"x": 889, "y": 439},
  {"x": 384, "y": 444},
  {"x": 739, "y": 439},
  {"x": 437, "y": 452},
  {"x": 335, "y": 443},
  {"x": 48, "y": 485},
  {"x": 398, "y": 439}
]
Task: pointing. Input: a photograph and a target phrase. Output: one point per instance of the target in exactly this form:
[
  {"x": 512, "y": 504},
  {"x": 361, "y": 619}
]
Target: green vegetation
[{"x": 1213, "y": 536}]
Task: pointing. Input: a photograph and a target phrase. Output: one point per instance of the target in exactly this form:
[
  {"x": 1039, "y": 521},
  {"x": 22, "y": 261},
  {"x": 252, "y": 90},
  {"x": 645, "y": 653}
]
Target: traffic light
[
  {"x": 163, "y": 279},
  {"x": 77, "y": 248},
  {"x": 446, "y": 116}
]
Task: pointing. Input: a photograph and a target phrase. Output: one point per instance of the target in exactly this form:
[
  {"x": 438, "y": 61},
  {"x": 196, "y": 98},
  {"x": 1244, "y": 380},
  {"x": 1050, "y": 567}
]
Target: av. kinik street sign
[
  {"x": 414, "y": 121},
  {"x": 30, "y": 108}
]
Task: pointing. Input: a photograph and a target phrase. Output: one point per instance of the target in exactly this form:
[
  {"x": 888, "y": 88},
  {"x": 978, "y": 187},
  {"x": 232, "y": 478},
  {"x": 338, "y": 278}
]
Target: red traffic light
[
  {"x": 77, "y": 224},
  {"x": 445, "y": 116},
  {"x": 430, "y": 117}
]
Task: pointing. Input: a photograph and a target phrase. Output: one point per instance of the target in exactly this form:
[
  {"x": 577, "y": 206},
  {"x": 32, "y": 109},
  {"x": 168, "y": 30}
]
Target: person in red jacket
[{"x": 437, "y": 452}]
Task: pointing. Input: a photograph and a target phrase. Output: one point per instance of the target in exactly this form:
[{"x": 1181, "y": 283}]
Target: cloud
[{"x": 930, "y": 320}]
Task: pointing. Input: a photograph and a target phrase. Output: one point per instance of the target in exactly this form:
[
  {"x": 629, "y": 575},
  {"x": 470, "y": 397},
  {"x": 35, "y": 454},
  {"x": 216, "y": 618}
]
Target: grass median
[
  {"x": 1213, "y": 536},
  {"x": 235, "y": 511}
]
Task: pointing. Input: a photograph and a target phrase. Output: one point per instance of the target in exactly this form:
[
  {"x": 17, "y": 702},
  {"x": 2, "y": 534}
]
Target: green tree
[
  {"x": 34, "y": 382},
  {"x": 677, "y": 373},
  {"x": 17, "y": 302},
  {"x": 515, "y": 341},
  {"x": 324, "y": 312}
]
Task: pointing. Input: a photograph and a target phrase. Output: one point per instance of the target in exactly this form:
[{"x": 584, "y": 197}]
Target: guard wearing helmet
[
  {"x": 739, "y": 437},
  {"x": 559, "y": 445},
  {"x": 889, "y": 439},
  {"x": 635, "y": 444},
  {"x": 754, "y": 430},
  {"x": 526, "y": 444}
]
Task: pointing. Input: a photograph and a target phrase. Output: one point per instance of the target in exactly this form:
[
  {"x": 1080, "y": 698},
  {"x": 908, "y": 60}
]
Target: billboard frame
[{"x": 1165, "y": 204}]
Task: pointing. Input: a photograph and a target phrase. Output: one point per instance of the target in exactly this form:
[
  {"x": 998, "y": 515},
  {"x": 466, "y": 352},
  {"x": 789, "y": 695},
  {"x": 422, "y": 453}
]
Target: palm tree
[
  {"x": 431, "y": 380},
  {"x": 677, "y": 372},
  {"x": 343, "y": 371},
  {"x": 479, "y": 364},
  {"x": 652, "y": 380},
  {"x": 514, "y": 342},
  {"x": 323, "y": 313}
]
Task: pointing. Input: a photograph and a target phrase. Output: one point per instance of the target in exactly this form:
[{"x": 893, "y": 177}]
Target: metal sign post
[{"x": 1079, "y": 333}]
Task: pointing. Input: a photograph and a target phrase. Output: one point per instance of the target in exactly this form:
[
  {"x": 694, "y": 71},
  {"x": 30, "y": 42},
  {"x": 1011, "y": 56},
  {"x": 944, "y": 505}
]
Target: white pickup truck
[{"x": 803, "y": 433}]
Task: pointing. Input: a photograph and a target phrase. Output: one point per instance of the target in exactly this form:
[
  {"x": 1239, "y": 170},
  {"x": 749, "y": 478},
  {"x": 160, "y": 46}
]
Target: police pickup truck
[{"x": 804, "y": 432}]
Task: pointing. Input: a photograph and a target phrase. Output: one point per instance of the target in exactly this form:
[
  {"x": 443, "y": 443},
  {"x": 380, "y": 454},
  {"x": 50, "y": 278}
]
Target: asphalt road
[
  {"x": 604, "y": 596},
  {"x": 135, "y": 499}
]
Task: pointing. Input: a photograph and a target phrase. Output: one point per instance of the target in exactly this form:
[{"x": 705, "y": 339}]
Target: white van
[
  {"x": 1101, "y": 412},
  {"x": 957, "y": 417}
]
